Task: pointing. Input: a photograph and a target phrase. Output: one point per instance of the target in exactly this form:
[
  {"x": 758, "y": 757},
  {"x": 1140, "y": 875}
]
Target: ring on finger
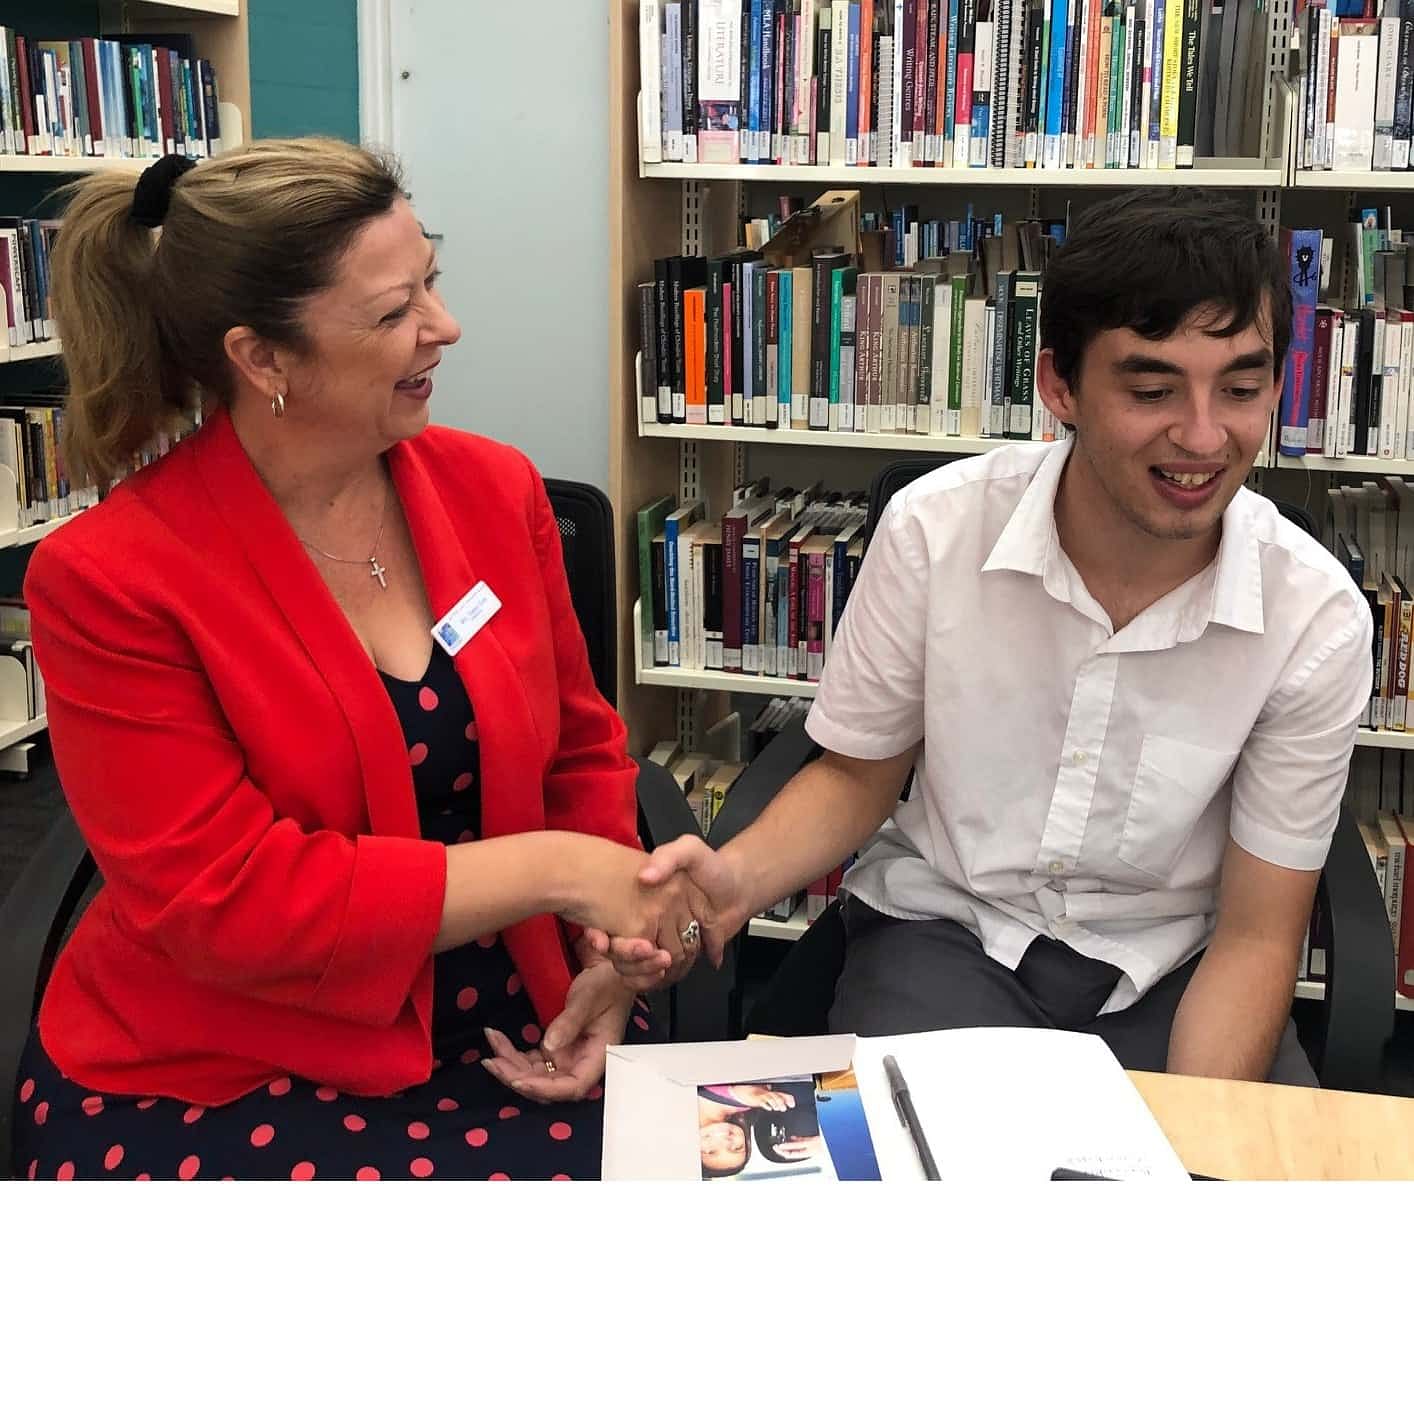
[{"x": 691, "y": 936}]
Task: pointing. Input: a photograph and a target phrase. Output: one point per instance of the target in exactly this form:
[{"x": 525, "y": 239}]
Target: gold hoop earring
[{"x": 277, "y": 405}]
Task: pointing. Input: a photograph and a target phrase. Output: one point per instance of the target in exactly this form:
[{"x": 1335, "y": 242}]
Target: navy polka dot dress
[{"x": 461, "y": 1124}]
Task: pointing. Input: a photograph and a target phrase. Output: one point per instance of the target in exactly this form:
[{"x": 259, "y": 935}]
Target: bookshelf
[
  {"x": 220, "y": 33},
  {"x": 1256, "y": 176}
]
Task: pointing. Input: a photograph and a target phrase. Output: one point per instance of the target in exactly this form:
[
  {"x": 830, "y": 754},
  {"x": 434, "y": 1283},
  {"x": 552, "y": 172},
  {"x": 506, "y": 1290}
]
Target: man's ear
[
  {"x": 258, "y": 363},
  {"x": 1055, "y": 392}
]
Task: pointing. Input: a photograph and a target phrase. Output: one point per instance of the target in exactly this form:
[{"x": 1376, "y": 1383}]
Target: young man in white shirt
[{"x": 1129, "y": 687}]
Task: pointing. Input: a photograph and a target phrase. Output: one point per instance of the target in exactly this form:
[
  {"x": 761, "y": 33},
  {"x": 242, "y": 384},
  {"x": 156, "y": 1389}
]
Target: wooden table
[{"x": 1240, "y": 1129}]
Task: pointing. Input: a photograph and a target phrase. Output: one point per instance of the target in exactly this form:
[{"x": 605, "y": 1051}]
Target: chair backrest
[
  {"x": 586, "y": 522},
  {"x": 895, "y": 477},
  {"x": 34, "y": 922}
]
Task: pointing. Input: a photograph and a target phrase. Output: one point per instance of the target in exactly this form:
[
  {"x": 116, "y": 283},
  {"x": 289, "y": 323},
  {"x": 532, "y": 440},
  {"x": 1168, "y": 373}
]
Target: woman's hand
[
  {"x": 762, "y": 1097},
  {"x": 595, "y": 1015},
  {"x": 608, "y": 896}
]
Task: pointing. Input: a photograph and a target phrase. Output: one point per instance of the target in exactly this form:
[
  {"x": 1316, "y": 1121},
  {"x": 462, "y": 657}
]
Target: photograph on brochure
[{"x": 796, "y": 1126}]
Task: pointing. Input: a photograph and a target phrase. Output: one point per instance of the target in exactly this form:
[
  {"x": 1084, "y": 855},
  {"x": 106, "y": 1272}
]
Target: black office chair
[
  {"x": 36, "y": 916},
  {"x": 1356, "y": 1017}
]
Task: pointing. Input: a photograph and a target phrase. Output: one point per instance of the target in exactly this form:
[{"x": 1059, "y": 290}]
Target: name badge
[{"x": 466, "y": 618}]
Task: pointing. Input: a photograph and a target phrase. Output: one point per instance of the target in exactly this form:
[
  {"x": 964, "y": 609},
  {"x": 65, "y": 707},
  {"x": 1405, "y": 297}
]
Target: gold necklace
[{"x": 378, "y": 572}]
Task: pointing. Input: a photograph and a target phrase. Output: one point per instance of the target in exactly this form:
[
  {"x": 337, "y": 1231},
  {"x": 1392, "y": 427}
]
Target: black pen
[{"x": 908, "y": 1117}]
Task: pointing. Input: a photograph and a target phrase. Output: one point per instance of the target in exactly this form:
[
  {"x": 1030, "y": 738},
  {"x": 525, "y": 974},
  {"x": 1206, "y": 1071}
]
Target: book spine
[
  {"x": 771, "y": 411},
  {"x": 1386, "y": 89},
  {"x": 786, "y": 354},
  {"x": 758, "y": 345},
  {"x": 1304, "y": 269},
  {"x": 716, "y": 381},
  {"x": 733, "y": 538},
  {"x": 650, "y": 108},
  {"x": 1023, "y": 353},
  {"x": 1403, "y": 91},
  {"x": 997, "y": 374},
  {"x": 1188, "y": 96}
]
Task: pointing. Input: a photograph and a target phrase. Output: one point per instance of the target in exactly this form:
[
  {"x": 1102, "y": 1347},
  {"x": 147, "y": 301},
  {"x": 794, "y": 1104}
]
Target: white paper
[{"x": 1012, "y": 1104}]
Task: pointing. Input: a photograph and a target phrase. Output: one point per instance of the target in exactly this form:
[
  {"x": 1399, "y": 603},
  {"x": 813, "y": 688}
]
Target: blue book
[
  {"x": 748, "y": 343},
  {"x": 1055, "y": 86},
  {"x": 785, "y": 305},
  {"x": 1304, "y": 264},
  {"x": 685, "y": 515},
  {"x": 1156, "y": 86},
  {"x": 1068, "y": 76},
  {"x": 851, "y": 108}
]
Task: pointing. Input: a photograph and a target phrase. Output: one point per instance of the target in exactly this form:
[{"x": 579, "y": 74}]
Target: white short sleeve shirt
[{"x": 1075, "y": 781}]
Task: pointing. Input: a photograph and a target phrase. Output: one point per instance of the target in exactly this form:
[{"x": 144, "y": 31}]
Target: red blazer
[{"x": 239, "y": 773}]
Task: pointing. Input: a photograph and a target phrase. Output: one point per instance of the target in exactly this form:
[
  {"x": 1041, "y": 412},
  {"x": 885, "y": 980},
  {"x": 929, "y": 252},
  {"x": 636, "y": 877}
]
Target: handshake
[{"x": 677, "y": 902}]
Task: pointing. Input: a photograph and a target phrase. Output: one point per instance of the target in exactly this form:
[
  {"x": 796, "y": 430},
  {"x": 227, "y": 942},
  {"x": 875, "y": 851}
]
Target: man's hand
[
  {"x": 596, "y": 1012},
  {"x": 721, "y": 914}
]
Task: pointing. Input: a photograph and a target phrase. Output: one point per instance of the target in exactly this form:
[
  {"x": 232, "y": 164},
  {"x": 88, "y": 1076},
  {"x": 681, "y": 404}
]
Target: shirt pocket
[{"x": 1175, "y": 783}]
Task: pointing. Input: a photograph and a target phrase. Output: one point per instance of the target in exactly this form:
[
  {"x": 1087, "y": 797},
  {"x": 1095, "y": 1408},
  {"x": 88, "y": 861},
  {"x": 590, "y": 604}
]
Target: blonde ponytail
[
  {"x": 248, "y": 238},
  {"x": 122, "y": 390}
]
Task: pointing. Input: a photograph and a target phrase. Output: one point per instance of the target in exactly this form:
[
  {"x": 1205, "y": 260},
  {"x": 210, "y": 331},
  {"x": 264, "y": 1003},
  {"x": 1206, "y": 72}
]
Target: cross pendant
[{"x": 378, "y": 572}]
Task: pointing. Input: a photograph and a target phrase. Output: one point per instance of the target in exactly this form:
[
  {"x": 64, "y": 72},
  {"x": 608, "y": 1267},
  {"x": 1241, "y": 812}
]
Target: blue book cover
[
  {"x": 786, "y": 315},
  {"x": 1055, "y": 78},
  {"x": 1304, "y": 264},
  {"x": 1156, "y": 82},
  {"x": 1068, "y": 104}
]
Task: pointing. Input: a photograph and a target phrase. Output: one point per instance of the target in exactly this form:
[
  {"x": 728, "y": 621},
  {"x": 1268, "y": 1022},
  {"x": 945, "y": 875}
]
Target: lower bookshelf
[{"x": 12, "y": 733}]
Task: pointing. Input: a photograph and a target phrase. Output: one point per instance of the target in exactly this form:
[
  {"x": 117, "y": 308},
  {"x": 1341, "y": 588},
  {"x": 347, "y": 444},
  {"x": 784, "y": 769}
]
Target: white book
[
  {"x": 1386, "y": 81},
  {"x": 1349, "y": 342},
  {"x": 1015, "y": 143},
  {"x": 1321, "y": 159},
  {"x": 903, "y": 146},
  {"x": 1401, "y": 406},
  {"x": 884, "y": 137},
  {"x": 1389, "y": 385},
  {"x": 1357, "y": 63},
  {"x": 988, "y": 355},
  {"x": 974, "y": 376},
  {"x": 1082, "y": 38},
  {"x": 984, "y": 73},
  {"x": 805, "y": 73},
  {"x": 1332, "y": 409},
  {"x": 672, "y": 82}
]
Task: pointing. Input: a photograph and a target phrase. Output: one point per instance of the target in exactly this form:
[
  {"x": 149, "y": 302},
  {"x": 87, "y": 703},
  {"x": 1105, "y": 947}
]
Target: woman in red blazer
[{"x": 335, "y": 856}]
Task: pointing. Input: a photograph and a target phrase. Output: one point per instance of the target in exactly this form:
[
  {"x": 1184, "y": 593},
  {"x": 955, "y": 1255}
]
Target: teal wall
[{"x": 304, "y": 68}]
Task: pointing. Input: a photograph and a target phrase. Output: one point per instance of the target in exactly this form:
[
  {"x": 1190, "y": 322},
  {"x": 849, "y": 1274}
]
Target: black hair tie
[{"x": 153, "y": 194}]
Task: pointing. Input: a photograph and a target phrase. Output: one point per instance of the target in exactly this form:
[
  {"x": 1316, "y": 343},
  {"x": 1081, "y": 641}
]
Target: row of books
[
  {"x": 757, "y": 592},
  {"x": 1381, "y": 796},
  {"x": 142, "y": 96},
  {"x": 26, "y": 247},
  {"x": 945, "y": 348},
  {"x": 1356, "y": 85},
  {"x": 1051, "y": 84},
  {"x": 1370, "y": 529},
  {"x": 1348, "y": 371},
  {"x": 34, "y": 483}
]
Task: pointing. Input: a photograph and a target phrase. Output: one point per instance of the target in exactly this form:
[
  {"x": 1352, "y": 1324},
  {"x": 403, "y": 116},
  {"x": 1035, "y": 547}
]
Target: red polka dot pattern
[
  {"x": 193, "y": 1114},
  {"x": 189, "y": 1168},
  {"x": 302, "y": 1172},
  {"x": 467, "y": 998},
  {"x": 418, "y": 754},
  {"x": 41, "y": 1112},
  {"x": 326, "y": 1093},
  {"x": 531, "y": 1033},
  {"x": 513, "y": 985},
  {"x": 92, "y": 1105},
  {"x": 262, "y": 1134},
  {"x": 26, "y": 1092},
  {"x": 560, "y": 1130},
  {"x": 355, "y": 1124},
  {"x": 66, "y": 1171},
  {"x": 421, "y": 1168},
  {"x": 113, "y": 1157},
  {"x": 508, "y": 1112},
  {"x": 428, "y": 700},
  {"x": 279, "y": 1087},
  {"x": 463, "y": 781},
  {"x": 477, "y": 1138},
  {"x": 418, "y": 1130},
  {"x": 446, "y": 1105}
]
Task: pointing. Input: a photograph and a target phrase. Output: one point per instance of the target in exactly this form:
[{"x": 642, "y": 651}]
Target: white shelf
[
  {"x": 12, "y": 733},
  {"x": 1352, "y": 465},
  {"x": 781, "y": 931},
  {"x": 42, "y": 348},
  {"x": 800, "y": 437},
  {"x": 73, "y": 166},
  {"x": 1316, "y": 991},
  {"x": 9, "y": 539},
  {"x": 1392, "y": 741},
  {"x": 1255, "y": 176},
  {"x": 1354, "y": 181},
  {"x": 708, "y": 679},
  {"x": 230, "y": 8}
]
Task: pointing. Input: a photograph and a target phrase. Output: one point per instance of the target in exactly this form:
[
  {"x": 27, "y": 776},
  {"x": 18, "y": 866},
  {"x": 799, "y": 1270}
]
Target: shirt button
[
  {"x": 1080, "y": 758},
  {"x": 1057, "y": 867}
]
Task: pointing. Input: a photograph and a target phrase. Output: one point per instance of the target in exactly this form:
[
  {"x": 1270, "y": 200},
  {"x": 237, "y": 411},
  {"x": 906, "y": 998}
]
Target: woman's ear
[{"x": 258, "y": 363}]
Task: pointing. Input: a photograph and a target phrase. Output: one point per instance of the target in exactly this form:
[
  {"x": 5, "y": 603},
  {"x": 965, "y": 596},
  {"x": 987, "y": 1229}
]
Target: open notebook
[{"x": 995, "y": 1104}]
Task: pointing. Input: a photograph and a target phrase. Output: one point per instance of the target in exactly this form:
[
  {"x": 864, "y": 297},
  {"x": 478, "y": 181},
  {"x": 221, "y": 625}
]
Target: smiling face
[
  {"x": 373, "y": 338},
  {"x": 724, "y": 1147},
  {"x": 1167, "y": 430}
]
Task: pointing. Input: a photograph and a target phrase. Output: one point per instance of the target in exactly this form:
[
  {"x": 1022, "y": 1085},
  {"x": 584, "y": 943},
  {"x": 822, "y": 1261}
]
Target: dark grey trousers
[{"x": 902, "y": 975}]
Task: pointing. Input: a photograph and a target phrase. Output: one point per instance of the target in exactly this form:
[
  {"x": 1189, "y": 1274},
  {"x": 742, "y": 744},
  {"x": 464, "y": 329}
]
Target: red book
[
  {"x": 95, "y": 111},
  {"x": 1320, "y": 380},
  {"x": 27, "y": 113}
]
